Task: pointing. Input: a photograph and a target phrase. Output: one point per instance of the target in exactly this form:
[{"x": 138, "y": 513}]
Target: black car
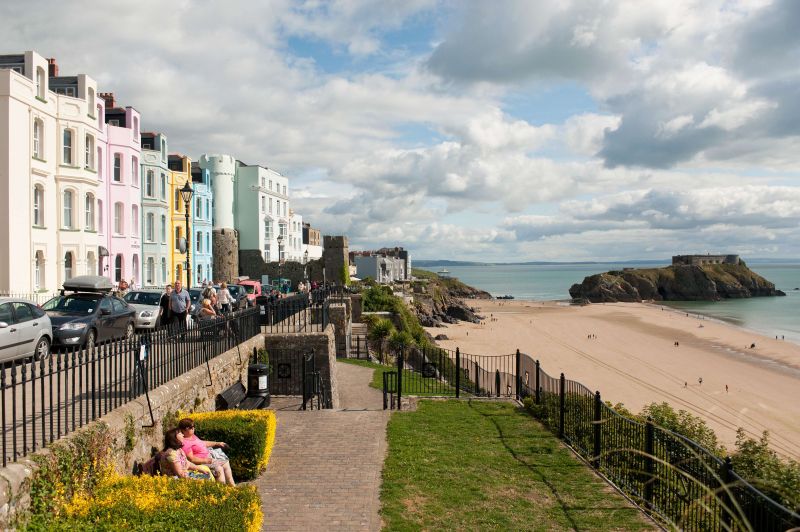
[{"x": 90, "y": 314}]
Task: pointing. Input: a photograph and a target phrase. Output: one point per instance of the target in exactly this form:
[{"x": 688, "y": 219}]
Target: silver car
[
  {"x": 25, "y": 330},
  {"x": 145, "y": 303}
]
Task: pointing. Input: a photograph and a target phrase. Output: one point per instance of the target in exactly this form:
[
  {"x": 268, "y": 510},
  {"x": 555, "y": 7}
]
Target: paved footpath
[{"x": 325, "y": 469}]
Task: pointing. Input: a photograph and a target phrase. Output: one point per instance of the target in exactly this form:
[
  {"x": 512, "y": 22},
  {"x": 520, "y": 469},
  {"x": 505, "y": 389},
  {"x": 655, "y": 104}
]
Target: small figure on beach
[
  {"x": 752, "y": 346},
  {"x": 677, "y": 344},
  {"x": 685, "y": 384},
  {"x": 726, "y": 388},
  {"x": 700, "y": 381}
]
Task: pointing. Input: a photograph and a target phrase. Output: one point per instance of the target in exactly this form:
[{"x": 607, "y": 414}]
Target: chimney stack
[
  {"x": 52, "y": 67},
  {"x": 111, "y": 102}
]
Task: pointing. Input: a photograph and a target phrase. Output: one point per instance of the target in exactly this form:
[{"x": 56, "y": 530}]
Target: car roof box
[{"x": 88, "y": 283}]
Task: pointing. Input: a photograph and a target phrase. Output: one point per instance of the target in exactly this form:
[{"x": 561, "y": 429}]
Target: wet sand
[{"x": 634, "y": 360}]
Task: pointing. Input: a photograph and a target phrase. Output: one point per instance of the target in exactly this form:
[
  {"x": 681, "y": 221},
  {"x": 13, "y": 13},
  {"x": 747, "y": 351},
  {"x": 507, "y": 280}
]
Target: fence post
[
  {"x": 400, "y": 376},
  {"x": 458, "y": 373},
  {"x": 561, "y": 399},
  {"x": 517, "y": 382},
  {"x": 649, "y": 463},
  {"x": 477, "y": 379},
  {"x": 303, "y": 377},
  {"x": 497, "y": 382},
  {"x": 597, "y": 418},
  {"x": 725, "y": 494},
  {"x": 385, "y": 386},
  {"x": 538, "y": 395}
]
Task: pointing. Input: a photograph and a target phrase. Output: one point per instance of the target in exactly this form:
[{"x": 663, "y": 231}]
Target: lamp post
[
  {"x": 280, "y": 263},
  {"x": 305, "y": 267},
  {"x": 186, "y": 196}
]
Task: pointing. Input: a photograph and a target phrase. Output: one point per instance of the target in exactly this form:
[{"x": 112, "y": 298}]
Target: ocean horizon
[{"x": 771, "y": 316}]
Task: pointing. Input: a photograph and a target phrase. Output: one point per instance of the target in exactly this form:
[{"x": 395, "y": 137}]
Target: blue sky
[{"x": 507, "y": 130}]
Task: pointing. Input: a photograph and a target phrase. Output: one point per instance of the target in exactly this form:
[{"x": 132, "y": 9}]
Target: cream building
[{"x": 49, "y": 134}]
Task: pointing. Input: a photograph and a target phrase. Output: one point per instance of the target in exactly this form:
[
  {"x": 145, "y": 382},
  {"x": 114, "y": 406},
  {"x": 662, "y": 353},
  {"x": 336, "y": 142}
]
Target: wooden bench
[{"x": 231, "y": 397}]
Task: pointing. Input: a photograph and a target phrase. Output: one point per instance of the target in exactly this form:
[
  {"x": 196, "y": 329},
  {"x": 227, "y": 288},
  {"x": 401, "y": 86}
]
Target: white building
[{"x": 49, "y": 131}]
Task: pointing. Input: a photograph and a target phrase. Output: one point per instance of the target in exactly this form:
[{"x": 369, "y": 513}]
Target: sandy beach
[{"x": 634, "y": 360}]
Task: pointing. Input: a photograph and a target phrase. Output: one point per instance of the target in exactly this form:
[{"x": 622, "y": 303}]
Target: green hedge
[
  {"x": 248, "y": 433},
  {"x": 158, "y": 504}
]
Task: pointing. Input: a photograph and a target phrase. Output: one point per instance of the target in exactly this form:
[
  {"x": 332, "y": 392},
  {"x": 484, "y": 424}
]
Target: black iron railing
[
  {"x": 294, "y": 372},
  {"x": 43, "y": 400},
  {"x": 293, "y": 314},
  {"x": 673, "y": 478}
]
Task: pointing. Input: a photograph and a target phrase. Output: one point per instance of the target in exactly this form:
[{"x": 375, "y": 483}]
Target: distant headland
[{"x": 689, "y": 278}]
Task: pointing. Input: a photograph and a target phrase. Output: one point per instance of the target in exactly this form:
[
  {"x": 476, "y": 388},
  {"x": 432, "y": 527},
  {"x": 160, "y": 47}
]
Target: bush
[
  {"x": 250, "y": 435},
  {"x": 159, "y": 503}
]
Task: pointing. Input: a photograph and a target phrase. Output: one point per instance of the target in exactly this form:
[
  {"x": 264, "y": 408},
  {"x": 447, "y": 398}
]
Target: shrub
[
  {"x": 160, "y": 503},
  {"x": 250, "y": 435}
]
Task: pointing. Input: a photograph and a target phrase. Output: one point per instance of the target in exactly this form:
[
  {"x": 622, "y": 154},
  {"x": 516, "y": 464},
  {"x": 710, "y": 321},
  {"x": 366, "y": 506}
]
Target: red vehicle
[{"x": 253, "y": 289}]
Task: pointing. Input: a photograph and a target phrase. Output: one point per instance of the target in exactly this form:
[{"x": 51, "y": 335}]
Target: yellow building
[{"x": 180, "y": 168}]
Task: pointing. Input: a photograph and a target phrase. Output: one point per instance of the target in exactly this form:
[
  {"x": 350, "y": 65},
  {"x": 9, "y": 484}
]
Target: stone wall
[
  {"x": 226, "y": 258},
  {"x": 251, "y": 264},
  {"x": 190, "y": 392},
  {"x": 324, "y": 347}
]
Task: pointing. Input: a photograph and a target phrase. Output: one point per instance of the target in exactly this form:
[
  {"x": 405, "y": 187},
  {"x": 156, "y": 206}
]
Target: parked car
[
  {"x": 145, "y": 303},
  {"x": 90, "y": 314},
  {"x": 25, "y": 330},
  {"x": 252, "y": 288}
]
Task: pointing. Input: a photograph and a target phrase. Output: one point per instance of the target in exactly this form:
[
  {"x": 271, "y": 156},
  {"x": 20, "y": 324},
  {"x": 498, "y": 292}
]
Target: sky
[{"x": 496, "y": 131}]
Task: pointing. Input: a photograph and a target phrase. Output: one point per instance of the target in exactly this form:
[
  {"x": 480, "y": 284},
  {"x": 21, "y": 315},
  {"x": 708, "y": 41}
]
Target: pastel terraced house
[
  {"x": 202, "y": 250},
  {"x": 49, "y": 131},
  {"x": 121, "y": 207},
  {"x": 156, "y": 216},
  {"x": 180, "y": 168}
]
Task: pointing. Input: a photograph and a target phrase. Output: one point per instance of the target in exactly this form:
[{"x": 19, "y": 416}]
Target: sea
[{"x": 771, "y": 316}]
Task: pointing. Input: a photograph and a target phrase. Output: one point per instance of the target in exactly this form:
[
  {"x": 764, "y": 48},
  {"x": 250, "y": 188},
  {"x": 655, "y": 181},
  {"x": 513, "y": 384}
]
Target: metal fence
[
  {"x": 41, "y": 401},
  {"x": 672, "y": 477},
  {"x": 294, "y": 372},
  {"x": 298, "y": 313}
]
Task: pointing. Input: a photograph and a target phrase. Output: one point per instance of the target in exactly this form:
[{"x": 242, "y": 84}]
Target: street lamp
[
  {"x": 186, "y": 196},
  {"x": 305, "y": 266},
  {"x": 280, "y": 263}
]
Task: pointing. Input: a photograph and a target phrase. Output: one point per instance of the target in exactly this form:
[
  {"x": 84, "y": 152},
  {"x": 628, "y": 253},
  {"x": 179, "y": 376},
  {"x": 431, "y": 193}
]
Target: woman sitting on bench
[{"x": 173, "y": 461}]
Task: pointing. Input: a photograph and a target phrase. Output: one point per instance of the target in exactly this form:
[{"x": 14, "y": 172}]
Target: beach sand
[{"x": 634, "y": 360}]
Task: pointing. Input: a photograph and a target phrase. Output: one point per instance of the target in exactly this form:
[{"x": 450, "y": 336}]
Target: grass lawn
[
  {"x": 413, "y": 383},
  {"x": 479, "y": 465}
]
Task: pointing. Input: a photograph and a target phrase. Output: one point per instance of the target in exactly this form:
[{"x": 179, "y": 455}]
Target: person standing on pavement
[
  {"x": 164, "y": 313},
  {"x": 179, "y": 303},
  {"x": 224, "y": 297}
]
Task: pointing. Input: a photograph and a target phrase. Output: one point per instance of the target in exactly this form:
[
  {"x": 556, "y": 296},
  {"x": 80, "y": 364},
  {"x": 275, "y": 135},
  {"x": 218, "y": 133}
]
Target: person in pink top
[{"x": 208, "y": 453}]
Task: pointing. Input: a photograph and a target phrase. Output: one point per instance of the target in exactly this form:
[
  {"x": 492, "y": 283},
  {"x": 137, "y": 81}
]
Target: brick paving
[{"x": 325, "y": 469}]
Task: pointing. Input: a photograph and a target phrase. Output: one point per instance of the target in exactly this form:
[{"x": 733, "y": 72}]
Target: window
[
  {"x": 117, "y": 167},
  {"x": 208, "y": 246},
  {"x": 100, "y": 216},
  {"x": 270, "y": 184},
  {"x": 135, "y": 171},
  {"x": 68, "y": 264},
  {"x": 67, "y": 209},
  {"x": 163, "y": 150},
  {"x": 199, "y": 274},
  {"x": 113, "y": 122},
  {"x": 91, "y": 266},
  {"x": 149, "y": 230},
  {"x": 136, "y": 128},
  {"x": 100, "y": 164},
  {"x": 118, "y": 268},
  {"x": 38, "y": 269},
  {"x": 178, "y": 235},
  {"x": 135, "y": 221},
  {"x": 198, "y": 208},
  {"x": 119, "y": 213},
  {"x": 198, "y": 248},
  {"x": 148, "y": 183},
  {"x": 270, "y": 205},
  {"x": 91, "y": 100},
  {"x": 89, "y": 212},
  {"x": 284, "y": 190},
  {"x": 178, "y": 201},
  {"x": 163, "y": 270},
  {"x": 150, "y": 271},
  {"x": 89, "y": 159},
  {"x": 163, "y": 186},
  {"x": 38, "y": 206},
  {"x": 284, "y": 208},
  {"x": 38, "y": 130},
  {"x": 40, "y": 83},
  {"x": 163, "y": 229},
  {"x": 135, "y": 267},
  {"x": 99, "y": 117},
  {"x": 67, "y": 159},
  {"x": 263, "y": 182},
  {"x": 208, "y": 209},
  {"x": 263, "y": 204}
]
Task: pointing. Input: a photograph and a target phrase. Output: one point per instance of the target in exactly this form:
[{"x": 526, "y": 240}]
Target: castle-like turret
[{"x": 222, "y": 171}]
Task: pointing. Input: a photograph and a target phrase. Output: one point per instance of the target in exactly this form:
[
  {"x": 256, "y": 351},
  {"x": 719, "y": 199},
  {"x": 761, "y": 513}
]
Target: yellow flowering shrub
[
  {"x": 161, "y": 503},
  {"x": 250, "y": 435}
]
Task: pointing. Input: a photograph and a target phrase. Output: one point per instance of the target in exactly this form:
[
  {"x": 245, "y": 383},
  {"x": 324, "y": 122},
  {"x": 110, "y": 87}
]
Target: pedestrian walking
[
  {"x": 179, "y": 303},
  {"x": 164, "y": 312},
  {"x": 700, "y": 381}
]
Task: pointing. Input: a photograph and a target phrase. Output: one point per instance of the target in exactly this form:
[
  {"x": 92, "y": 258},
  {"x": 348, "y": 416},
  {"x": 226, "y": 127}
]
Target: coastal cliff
[
  {"x": 710, "y": 282},
  {"x": 438, "y": 301}
]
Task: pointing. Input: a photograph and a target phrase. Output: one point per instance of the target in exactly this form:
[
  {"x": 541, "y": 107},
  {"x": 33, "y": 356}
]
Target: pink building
[{"x": 119, "y": 226}]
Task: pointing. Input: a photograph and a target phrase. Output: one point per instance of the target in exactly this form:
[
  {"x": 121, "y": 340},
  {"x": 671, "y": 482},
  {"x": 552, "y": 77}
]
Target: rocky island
[{"x": 689, "y": 278}]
